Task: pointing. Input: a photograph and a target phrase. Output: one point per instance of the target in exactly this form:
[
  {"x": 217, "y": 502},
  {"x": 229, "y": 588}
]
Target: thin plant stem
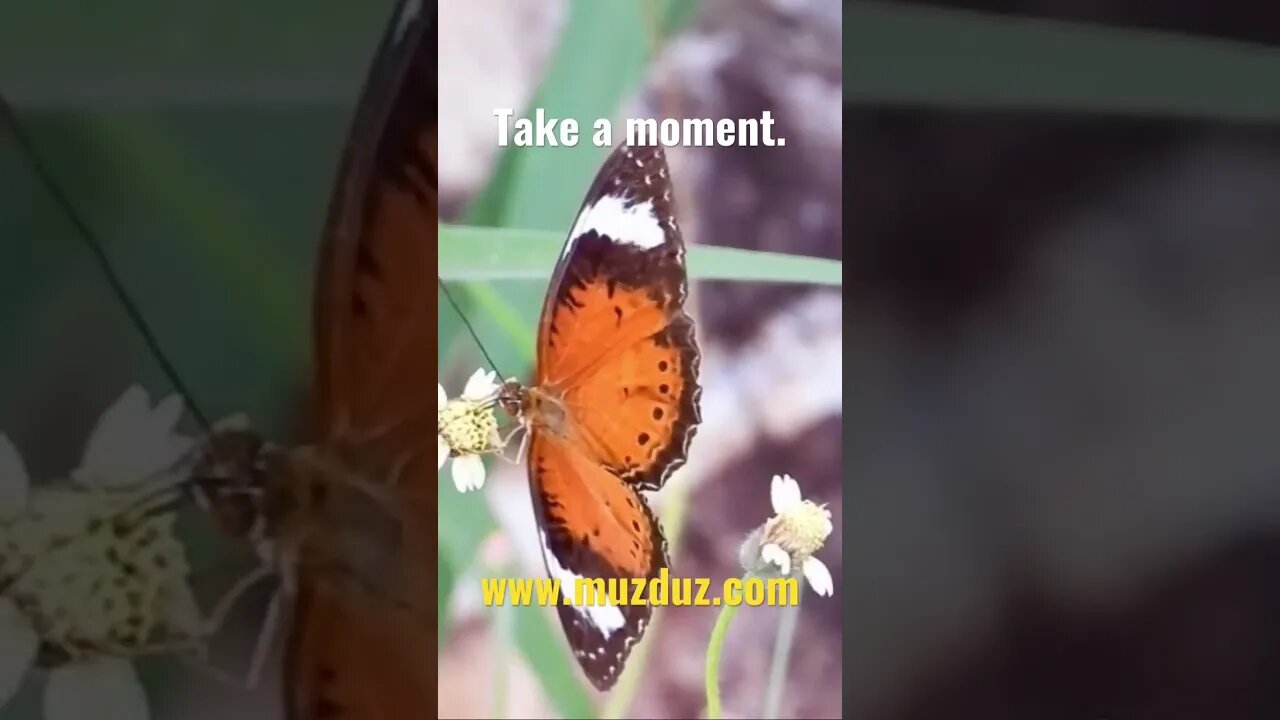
[
  {"x": 781, "y": 659},
  {"x": 503, "y": 638},
  {"x": 629, "y": 683},
  {"x": 715, "y": 646}
]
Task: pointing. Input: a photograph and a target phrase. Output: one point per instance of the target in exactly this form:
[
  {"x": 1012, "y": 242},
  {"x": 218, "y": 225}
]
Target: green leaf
[
  {"x": 186, "y": 51},
  {"x": 540, "y": 187},
  {"x": 469, "y": 253},
  {"x": 445, "y": 579},
  {"x": 463, "y": 524},
  {"x": 545, "y": 649},
  {"x": 920, "y": 55}
]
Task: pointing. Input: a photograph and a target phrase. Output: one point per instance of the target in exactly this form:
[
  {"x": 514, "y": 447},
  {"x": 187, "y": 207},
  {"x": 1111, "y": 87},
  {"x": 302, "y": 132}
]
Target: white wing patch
[
  {"x": 606, "y": 618},
  {"x": 611, "y": 217}
]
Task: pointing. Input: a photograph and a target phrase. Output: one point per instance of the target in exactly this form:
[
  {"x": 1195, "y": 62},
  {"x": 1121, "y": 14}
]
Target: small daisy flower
[
  {"x": 467, "y": 429},
  {"x": 132, "y": 441},
  {"x": 788, "y": 540},
  {"x": 91, "y": 573}
]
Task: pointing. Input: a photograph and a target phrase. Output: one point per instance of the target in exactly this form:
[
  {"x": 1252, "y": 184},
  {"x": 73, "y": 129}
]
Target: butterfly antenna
[
  {"x": 100, "y": 256},
  {"x": 449, "y": 296}
]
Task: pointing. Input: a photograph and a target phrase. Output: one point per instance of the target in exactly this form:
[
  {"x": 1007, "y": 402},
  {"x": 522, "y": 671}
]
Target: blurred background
[
  {"x": 200, "y": 143},
  {"x": 1063, "y": 340}
]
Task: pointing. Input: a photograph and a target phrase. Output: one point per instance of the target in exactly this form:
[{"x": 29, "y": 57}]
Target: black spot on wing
[{"x": 673, "y": 455}]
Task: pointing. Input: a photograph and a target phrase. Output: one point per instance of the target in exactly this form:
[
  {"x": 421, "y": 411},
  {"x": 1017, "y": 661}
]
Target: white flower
[
  {"x": 132, "y": 441},
  {"x": 18, "y": 646},
  {"x": 789, "y": 539},
  {"x": 105, "y": 687},
  {"x": 91, "y": 573},
  {"x": 13, "y": 480},
  {"x": 466, "y": 429}
]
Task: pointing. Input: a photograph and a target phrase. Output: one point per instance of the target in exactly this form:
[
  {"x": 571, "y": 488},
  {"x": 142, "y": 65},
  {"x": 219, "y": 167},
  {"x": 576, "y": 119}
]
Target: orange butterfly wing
[
  {"x": 375, "y": 328},
  {"x": 373, "y": 321},
  {"x": 618, "y": 362}
]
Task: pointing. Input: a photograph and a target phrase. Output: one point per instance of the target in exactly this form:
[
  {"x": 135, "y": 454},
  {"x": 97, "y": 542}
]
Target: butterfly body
[
  {"x": 326, "y": 511},
  {"x": 613, "y": 404},
  {"x": 534, "y": 406}
]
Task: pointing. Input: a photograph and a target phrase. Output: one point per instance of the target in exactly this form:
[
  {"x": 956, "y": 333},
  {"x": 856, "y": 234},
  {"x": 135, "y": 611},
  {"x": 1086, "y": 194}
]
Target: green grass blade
[
  {"x": 468, "y": 253},
  {"x": 544, "y": 648},
  {"x": 919, "y": 55},
  {"x": 489, "y": 301},
  {"x": 445, "y": 579},
  {"x": 541, "y": 187}
]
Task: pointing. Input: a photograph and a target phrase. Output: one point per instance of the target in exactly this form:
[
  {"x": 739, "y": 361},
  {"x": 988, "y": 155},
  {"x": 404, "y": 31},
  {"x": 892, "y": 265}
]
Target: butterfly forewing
[
  {"x": 614, "y": 339},
  {"x": 374, "y": 320},
  {"x": 614, "y": 403},
  {"x": 375, "y": 328}
]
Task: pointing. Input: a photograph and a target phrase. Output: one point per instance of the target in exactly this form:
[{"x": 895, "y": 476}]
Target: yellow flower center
[
  {"x": 467, "y": 427},
  {"x": 799, "y": 531},
  {"x": 92, "y": 581}
]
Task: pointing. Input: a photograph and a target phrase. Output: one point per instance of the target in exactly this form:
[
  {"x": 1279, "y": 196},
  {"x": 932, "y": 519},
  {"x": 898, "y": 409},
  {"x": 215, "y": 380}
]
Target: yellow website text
[{"x": 662, "y": 590}]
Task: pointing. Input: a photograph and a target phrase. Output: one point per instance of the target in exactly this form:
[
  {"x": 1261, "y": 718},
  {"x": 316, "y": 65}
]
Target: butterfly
[
  {"x": 350, "y": 517},
  {"x": 613, "y": 405}
]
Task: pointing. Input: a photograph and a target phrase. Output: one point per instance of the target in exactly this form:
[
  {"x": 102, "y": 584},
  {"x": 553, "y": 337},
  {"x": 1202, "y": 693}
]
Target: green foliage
[{"x": 944, "y": 58}]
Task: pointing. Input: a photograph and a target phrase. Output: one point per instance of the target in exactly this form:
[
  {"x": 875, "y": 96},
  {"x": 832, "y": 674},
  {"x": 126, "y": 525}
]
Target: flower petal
[
  {"x": 110, "y": 432},
  {"x": 442, "y": 448},
  {"x": 468, "y": 472},
  {"x": 480, "y": 386},
  {"x": 785, "y": 493},
  {"x": 14, "y": 481},
  {"x": 166, "y": 415},
  {"x": 827, "y": 526},
  {"x": 131, "y": 442},
  {"x": 106, "y": 687},
  {"x": 162, "y": 446},
  {"x": 234, "y": 421},
  {"x": 819, "y": 576},
  {"x": 18, "y": 644},
  {"x": 773, "y": 553},
  {"x": 441, "y": 397}
]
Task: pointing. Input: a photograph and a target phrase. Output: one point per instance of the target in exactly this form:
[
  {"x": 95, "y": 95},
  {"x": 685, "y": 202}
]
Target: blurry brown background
[{"x": 1063, "y": 342}]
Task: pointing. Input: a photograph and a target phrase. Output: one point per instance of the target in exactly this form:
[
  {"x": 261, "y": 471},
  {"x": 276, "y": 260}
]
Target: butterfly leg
[
  {"x": 266, "y": 639},
  {"x": 524, "y": 447},
  {"x": 201, "y": 665},
  {"x": 223, "y": 607},
  {"x": 219, "y": 615},
  {"x": 506, "y": 442}
]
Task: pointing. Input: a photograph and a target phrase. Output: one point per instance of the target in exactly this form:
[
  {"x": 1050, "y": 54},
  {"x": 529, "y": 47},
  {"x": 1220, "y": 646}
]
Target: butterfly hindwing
[
  {"x": 614, "y": 340},
  {"x": 593, "y": 526},
  {"x": 349, "y": 662}
]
